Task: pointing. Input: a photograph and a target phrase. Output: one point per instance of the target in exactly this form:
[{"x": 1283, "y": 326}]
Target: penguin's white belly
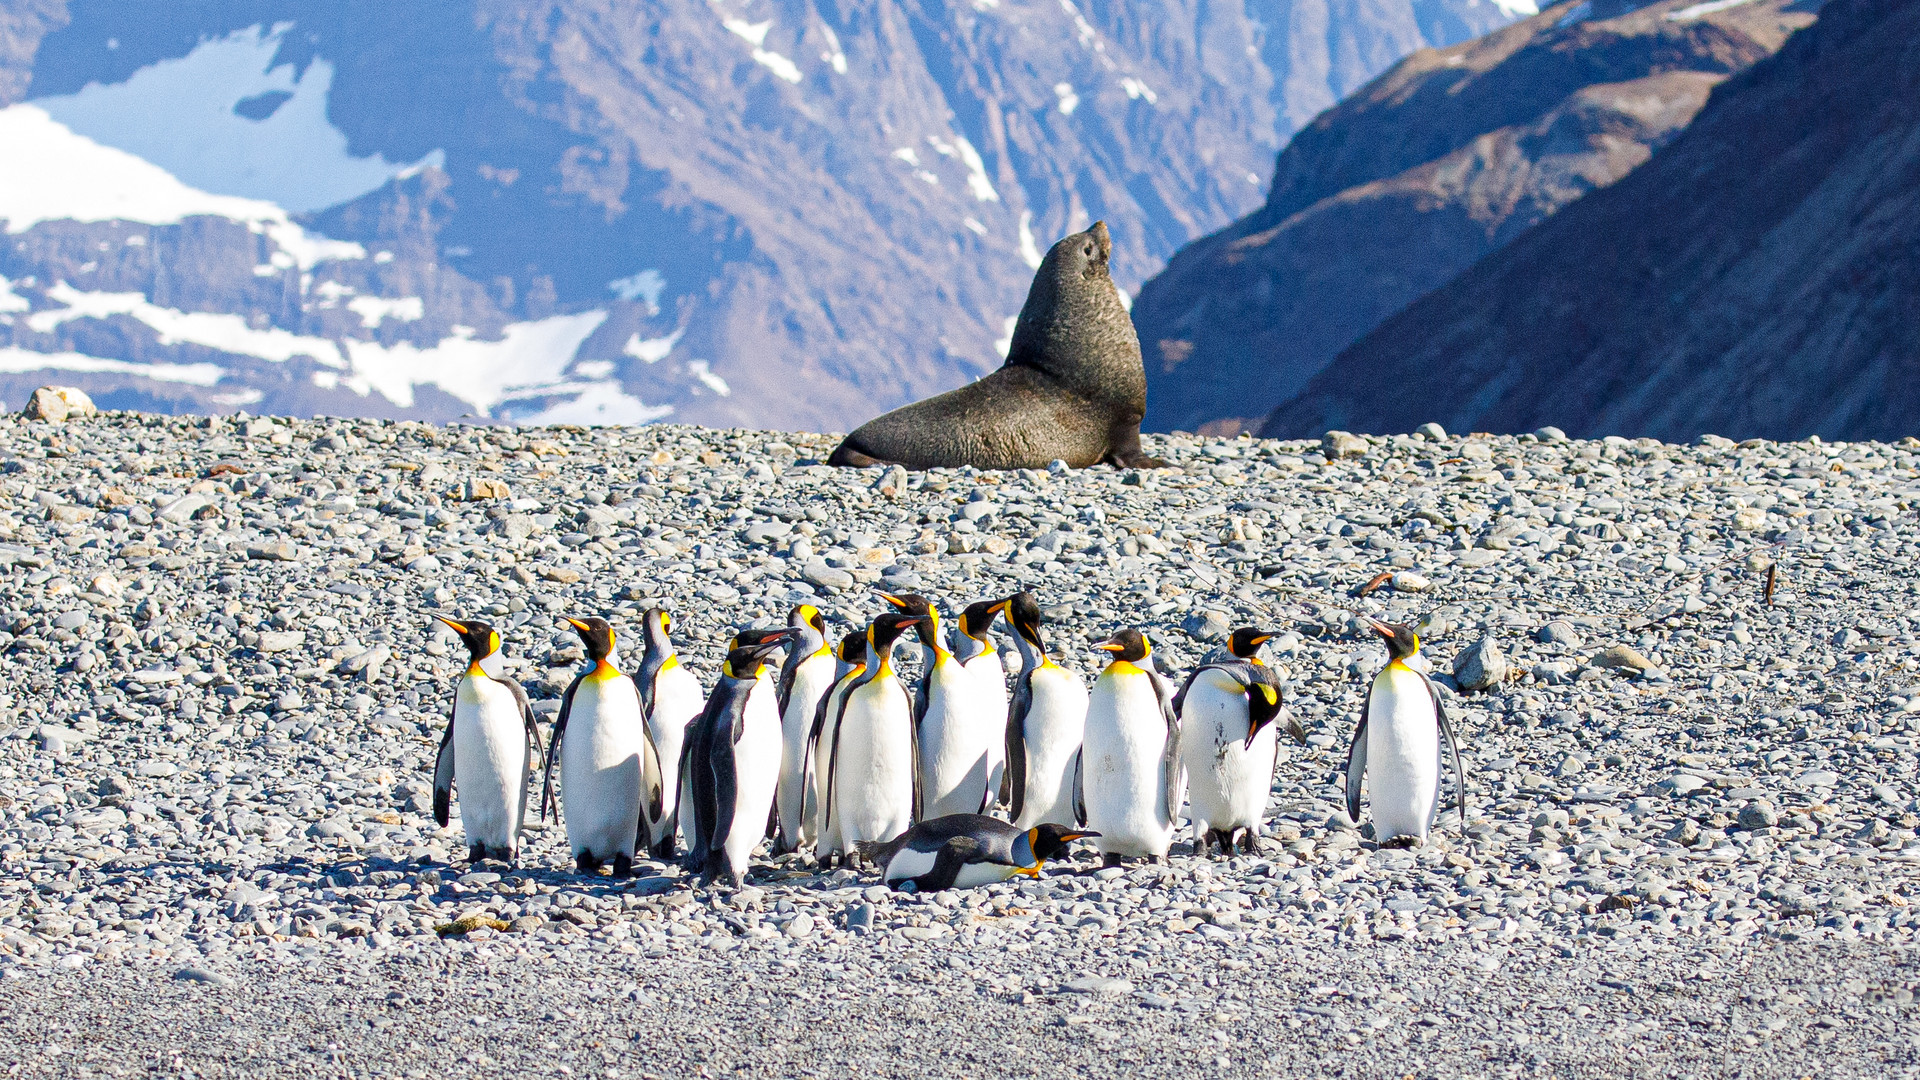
[
  {"x": 812, "y": 680},
  {"x": 911, "y": 864},
  {"x": 957, "y": 740},
  {"x": 1122, "y": 767},
  {"x": 489, "y": 762},
  {"x": 1403, "y": 756},
  {"x": 989, "y": 679},
  {"x": 1227, "y": 783},
  {"x": 1056, "y": 722},
  {"x": 676, "y": 701},
  {"x": 756, "y": 773},
  {"x": 601, "y": 758},
  {"x": 873, "y": 765}
]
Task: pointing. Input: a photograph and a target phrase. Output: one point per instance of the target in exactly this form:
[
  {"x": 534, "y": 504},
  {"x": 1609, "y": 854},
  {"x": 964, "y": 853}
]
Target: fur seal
[{"x": 1072, "y": 388}]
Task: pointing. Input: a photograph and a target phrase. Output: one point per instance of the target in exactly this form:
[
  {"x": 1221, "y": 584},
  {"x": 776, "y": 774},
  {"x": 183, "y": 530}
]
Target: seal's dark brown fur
[{"x": 1072, "y": 388}]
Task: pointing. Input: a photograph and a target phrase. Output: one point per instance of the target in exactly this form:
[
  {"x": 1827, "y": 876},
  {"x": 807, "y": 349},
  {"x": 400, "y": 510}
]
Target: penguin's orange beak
[
  {"x": 575, "y": 623},
  {"x": 1110, "y": 646},
  {"x": 894, "y": 600},
  {"x": 1381, "y": 628},
  {"x": 458, "y": 628}
]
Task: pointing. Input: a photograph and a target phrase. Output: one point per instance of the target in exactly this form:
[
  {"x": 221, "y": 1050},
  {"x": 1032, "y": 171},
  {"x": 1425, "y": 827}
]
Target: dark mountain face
[
  {"x": 1443, "y": 159},
  {"x": 789, "y": 213},
  {"x": 1758, "y": 278}
]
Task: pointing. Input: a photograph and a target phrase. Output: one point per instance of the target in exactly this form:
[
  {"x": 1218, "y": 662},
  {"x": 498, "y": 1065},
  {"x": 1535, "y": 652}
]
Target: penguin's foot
[
  {"x": 665, "y": 850},
  {"x": 623, "y": 866},
  {"x": 1111, "y": 858},
  {"x": 586, "y": 864},
  {"x": 1399, "y": 842},
  {"x": 477, "y": 853},
  {"x": 1246, "y": 841}
]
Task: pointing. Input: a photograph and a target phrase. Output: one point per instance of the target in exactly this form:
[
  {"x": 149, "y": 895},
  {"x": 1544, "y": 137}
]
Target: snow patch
[
  {"x": 1517, "y": 9},
  {"x": 600, "y": 403},
  {"x": 974, "y": 226},
  {"x": 480, "y": 373},
  {"x": 704, "y": 372},
  {"x": 907, "y": 154},
  {"x": 1080, "y": 23},
  {"x": 1136, "y": 89},
  {"x": 373, "y": 309},
  {"x": 755, "y": 34},
  {"x": 1577, "y": 15},
  {"x": 191, "y": 117},
  {"x": 1029, "y": 251},
  {"x": 1069, "y": 100},
  {"x": 10, "y": 300},
  {"x": 594, "y": 369},
  {"x": 214, "y": 330},
  {"x": 977, "y": 181},
  {"x": 1004, "y": 345},
  {"x": 927, "y": 176},
  {"x": 74, "y": 178},
  {"x": 834, "y": 55},
  {"x": 15, "y": 361},
  {"x": 1697, "y": 11},
  {"x": 238, "y": 398},
  {"x": 644, "y": 287},
  {"x": 652, "y": 350}
]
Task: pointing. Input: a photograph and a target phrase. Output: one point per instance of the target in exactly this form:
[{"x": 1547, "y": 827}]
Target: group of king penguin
[{"x": 955, "y": 783}]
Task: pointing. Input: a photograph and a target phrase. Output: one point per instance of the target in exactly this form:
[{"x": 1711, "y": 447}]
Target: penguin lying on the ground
[
  {"x": 960, "y": 851},
  {"x": 1396, "y": 748},
  {"x": 492, "y": 746}
]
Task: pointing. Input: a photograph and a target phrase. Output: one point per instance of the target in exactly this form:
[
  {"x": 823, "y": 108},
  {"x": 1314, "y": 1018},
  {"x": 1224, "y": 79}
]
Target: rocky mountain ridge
[{"x": 1428, "y": 169}]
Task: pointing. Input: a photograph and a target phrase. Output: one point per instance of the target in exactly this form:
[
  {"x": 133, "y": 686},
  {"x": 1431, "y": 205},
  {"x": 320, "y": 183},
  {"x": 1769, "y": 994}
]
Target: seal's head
[{"x": 1074, "y": 327}]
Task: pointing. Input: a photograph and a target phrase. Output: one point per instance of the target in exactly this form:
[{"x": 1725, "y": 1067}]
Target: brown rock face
[
  {"x": 1443, "y": 159},
  {"x": 1758, "y": 277}
]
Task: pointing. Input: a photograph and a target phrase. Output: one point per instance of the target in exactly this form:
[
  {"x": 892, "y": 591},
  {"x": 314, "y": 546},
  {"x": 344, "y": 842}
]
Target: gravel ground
[{"x": 1691, "y": 839}]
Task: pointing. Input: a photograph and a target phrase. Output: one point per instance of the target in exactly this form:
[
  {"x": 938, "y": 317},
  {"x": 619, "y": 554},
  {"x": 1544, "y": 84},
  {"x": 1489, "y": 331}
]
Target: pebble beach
[{"x": 1686, "y": 680}]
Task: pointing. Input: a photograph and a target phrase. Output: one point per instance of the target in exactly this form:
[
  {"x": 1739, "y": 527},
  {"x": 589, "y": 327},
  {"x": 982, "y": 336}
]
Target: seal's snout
[{"x": 1102, "y": 240}]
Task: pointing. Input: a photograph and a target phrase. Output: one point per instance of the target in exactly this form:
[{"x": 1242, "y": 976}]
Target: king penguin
[
  {"x": 958, "y": 720},
  {"x": 1396, "y": 748},
  {"x": 973, "y": 646},
  {"x": 1129, "y": 784},
  {"x": 960, "y": 851},
  {"x": 610, "y": 780},
  {"x": 734, "y": 750},
  {"x": 1045, "y": 721},
  {"x": 850, "y": 662},
  {"x": 805, "y": 677},
  {"x": 492, "y": 746},
  {"x": 670, "y": 698},
  {"x": 1227, "y": 723},
  {"x": 872, "y": 785}
]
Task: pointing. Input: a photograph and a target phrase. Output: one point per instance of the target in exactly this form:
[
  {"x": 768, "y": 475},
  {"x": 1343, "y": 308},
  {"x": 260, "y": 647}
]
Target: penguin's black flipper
[
  {"x": 1079, "y": 789},
  {"x": 1357, "y": 760},
  {"x": 653, "y": 783},
  {"x": 725, "y": 790},
  {"x": 1453, "y": 749},
  {"x": 833, "y": 751},
  {"x": 559, "y": 732},
  {"x": 443, "y": 776},
  {"x": 957, "y": 852},
  {"x": 535, "y": 754},
  {"x": 1013, "y": 783},
  {"x": 1173, "y": 778}
]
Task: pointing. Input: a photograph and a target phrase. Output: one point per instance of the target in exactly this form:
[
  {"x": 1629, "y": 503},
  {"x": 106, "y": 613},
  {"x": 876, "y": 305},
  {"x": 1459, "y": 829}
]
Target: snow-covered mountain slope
[{"x": 772, "y": 212}]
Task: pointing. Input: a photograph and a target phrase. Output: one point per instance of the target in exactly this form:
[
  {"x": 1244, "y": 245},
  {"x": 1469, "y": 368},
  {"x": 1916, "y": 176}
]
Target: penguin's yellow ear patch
[
  {"x": 493, "y": 641},
  {"x": 1267, "y": 693}
]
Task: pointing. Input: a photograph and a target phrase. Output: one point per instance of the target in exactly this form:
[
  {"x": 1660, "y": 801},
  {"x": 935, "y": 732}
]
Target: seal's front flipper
[{"x": 849, "y": 456}]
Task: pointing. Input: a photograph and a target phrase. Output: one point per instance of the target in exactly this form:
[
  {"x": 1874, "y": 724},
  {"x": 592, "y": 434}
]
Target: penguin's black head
[
  {"x": 659, "y": 625},
  {"x": 1023, "y": 614},
  {"x": 1246, "y": 641},
  {"x": 479, "y": 638},
  {"x": 1050, "y": 841},
  {"x": 978, "y": 618},
  {"x": 1263, "y": 704},
  {"x": 807, "y": 614},
  {"x": 886, "y": 630},
  {"x": 1402, "y": 642},
  {"x": 596, "y": 634},
  {"x": 1129, "y": 645},
  {"x": 777, "y": 636},
  {"x": 918, "y": 607},
  {"x": 853, "y": 648},
  {"x": 746, "y": 658}
]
